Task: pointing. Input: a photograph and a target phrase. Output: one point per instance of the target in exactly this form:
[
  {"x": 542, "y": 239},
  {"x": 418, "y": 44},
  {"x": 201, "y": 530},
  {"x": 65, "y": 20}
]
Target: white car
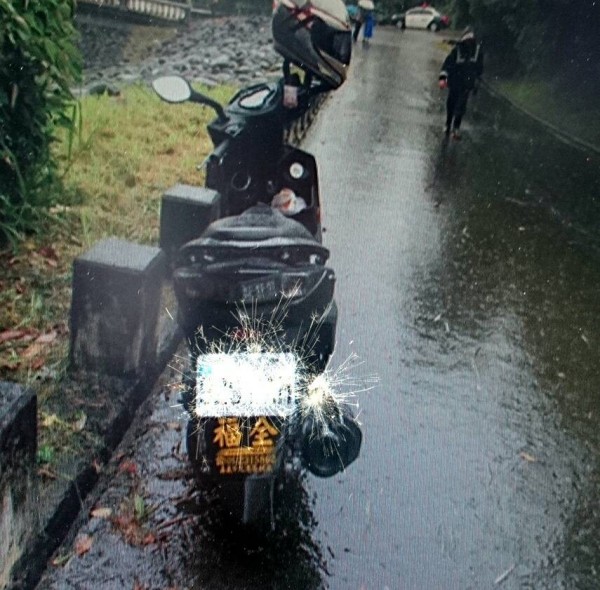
[{"x": 422, "y": 17}]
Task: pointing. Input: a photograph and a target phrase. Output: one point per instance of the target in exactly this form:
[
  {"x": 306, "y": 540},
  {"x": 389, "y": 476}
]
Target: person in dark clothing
[
  {"x": 461, "y": 74},
  {"x": 358, "y": 23}
]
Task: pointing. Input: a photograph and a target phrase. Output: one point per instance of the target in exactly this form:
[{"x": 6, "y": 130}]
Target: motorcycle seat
[
  {"x": 260, "y": 232},
  {"x": 260, "y": 222}
]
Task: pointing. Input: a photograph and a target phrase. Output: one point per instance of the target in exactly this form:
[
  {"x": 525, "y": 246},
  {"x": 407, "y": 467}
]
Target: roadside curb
[
  {"x": 572, "y": 140},
  {"x": 65, "y": 501}
]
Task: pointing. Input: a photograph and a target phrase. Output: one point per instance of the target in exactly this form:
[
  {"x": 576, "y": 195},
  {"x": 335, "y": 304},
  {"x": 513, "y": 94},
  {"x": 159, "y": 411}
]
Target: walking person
[
  {"x": 461, "y": 74},
  {"x": 365, "y": 11},
  {"x": 369, "y": 25}
]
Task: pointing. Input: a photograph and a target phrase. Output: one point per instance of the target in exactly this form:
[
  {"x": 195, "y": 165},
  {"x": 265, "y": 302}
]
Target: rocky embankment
[{"x": 235, "y": 50}]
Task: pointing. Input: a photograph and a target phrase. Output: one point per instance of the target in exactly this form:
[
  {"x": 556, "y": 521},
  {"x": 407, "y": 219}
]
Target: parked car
[{"x": 421, "y": 17}]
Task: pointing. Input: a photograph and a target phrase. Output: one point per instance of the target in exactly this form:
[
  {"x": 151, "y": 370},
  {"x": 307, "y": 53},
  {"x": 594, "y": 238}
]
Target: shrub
[{"x": 39, "y": 61}]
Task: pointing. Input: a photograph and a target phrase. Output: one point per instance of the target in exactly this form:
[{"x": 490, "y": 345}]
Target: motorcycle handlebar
[{"x": 213, "y": 104}]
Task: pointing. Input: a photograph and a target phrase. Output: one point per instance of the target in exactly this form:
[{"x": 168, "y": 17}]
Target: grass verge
[
  {"x": 571, "y": 112},
  {"x": 131, "y": 148}
]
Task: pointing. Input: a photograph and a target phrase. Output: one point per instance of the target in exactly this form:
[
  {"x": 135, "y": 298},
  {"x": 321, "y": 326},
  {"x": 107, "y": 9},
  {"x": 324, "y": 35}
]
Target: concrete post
[
  {"x": 18, "y": 446},
  {"x": 114, "y": 311},
  {"x": 185, "y": 212}
]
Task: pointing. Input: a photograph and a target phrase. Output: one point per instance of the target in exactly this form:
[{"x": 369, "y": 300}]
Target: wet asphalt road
[{"x": 468, "y": 282}]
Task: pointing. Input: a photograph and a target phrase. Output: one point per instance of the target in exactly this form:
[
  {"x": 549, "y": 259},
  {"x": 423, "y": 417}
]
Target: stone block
[
  {"x": 18, "y": 445},
  {"x": 185, "y": 212},
  {"x": 115, "y": 307}
]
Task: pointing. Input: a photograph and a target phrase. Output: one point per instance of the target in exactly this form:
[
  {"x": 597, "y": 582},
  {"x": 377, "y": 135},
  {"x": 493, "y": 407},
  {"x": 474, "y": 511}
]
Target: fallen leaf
[
  {"x": 83, "y": 544},
  {"x": 32, "y": 350},
  {"x": 51, "y": 262},
  {"x": 129, "y": 528},
  {"x": 101, "y": 513},
  {"x": 47, "y": 473},
  {"x": 149, "y": 539},
  {"x": 61, "y": 560},
  {"x": 173, "y": 474},
  {"x": 174, "y": 426},
  {"x": 38, "y": 363},
  {"x": 9, "y": 335},
  {"x": 79, "y": 424},
  {"x": 46, "y": 338},
  {"x": 139, "y": 507},
  {"x": 527, "y": 457},
  {"x": 48, "y": 252},
  {"x": 123, "y": 522},
  {"x": 128, "y": 466},
  {"x": 97, "y": 466}
]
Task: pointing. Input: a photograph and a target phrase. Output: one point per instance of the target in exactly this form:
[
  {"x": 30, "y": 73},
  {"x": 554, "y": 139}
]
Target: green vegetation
[
  {"x": 569, "y": 112},
  {"x": 556, "y": 39},
  {"x": 38, "y": 63},
  {"x": 131, "y": 148}
]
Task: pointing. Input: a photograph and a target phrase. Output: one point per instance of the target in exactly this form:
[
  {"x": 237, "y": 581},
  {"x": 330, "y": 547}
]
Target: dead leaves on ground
[
  {"x": 35, "y": 293},
  {"x": 83, "y": 544},
  {"x": 128, "y": 466},
  {"x": 133, "y": 531},
  {"x": 47, "y": 473},
  {"x": 11, "y": 335},
  {"x": 28, "y": 346},
  {"x": 100, "y": 512}
]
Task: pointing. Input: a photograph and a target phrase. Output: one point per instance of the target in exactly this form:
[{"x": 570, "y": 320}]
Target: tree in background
[
  {"x": 39, "y": 61},
  {"x": 558, "y": 38}
]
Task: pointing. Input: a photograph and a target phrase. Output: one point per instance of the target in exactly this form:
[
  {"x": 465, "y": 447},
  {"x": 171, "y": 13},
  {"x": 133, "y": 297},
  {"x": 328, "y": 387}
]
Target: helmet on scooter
[{"x": 316, "y": 36}]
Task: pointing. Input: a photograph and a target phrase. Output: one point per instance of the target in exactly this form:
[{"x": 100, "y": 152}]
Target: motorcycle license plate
[
  {"x": 260, "y": 290},
  {"x": 245, "y": 384},
  {"x": 244, "y": 446}
]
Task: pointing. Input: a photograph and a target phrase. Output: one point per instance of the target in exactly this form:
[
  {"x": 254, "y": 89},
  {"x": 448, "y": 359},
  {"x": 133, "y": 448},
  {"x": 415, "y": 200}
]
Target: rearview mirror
[{"x": 172, "y": 88}]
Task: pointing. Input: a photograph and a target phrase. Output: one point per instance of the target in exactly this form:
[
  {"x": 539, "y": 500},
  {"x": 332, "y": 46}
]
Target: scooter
[{"x": 256, "y": 305}]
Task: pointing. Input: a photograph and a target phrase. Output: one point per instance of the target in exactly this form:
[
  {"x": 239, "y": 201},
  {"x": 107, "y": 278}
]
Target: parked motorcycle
[{"x": 255, "y": 294}]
